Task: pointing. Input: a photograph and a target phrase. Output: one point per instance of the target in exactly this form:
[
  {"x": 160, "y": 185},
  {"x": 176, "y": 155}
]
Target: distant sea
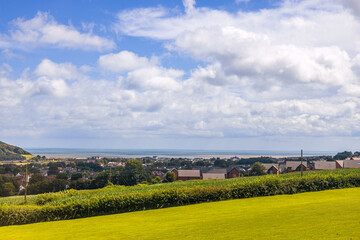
[{"x": 134, "y": 153}]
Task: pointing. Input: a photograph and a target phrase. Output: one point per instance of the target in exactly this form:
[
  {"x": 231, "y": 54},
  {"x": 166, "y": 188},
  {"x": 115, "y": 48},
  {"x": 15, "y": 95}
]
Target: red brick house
[
  {"x": 158, "y": 173},
  {"x": 292, "y": 166},
  {"x": 232, "y": 173},
  {"x": 271, "y": 168},
  {"x": 339, "y": 164}
]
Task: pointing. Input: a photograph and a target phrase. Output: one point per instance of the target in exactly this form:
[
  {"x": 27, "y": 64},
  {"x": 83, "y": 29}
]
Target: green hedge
[{"x": 99, "y": 205}]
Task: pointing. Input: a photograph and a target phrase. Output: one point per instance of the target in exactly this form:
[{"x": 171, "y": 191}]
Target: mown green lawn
[{"x": 333, "y": 214}]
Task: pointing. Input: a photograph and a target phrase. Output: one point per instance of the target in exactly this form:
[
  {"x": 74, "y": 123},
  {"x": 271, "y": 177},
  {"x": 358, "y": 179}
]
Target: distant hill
[{"x": 10, "y": 152}]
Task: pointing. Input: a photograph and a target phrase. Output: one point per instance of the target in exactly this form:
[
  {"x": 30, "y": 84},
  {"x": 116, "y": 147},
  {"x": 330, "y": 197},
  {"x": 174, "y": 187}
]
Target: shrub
[
  {"x": 170, "y": 177},
  {"x": 160, "y": 198}
]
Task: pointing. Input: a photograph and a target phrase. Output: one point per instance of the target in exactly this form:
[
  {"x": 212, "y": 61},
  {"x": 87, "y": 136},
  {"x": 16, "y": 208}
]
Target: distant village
[{"x": 54, "y": 174}]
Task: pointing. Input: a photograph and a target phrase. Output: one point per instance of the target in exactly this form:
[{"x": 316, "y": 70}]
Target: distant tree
[
  {"x": 63, "y": 176},
  {"x": 16, "y": 170},
  {"x": 342, "y": 155},
  {"x": 8, "y": 186},
  {"x": 84, "y": 166},
  {"x": 35, "y": 178},
  {"x": 186, "y": 164},
  {"x": 101, "y": 180},
  {"x": 80, "y": 184},
  {"x": 257, "y": 169},
  {"x": 253, "y": 160},
  {"x": 53, "y": 170},
  {"x": 220, "y": 163},
  {"x": 34, "y": 170},
  {"x": 8, "y": 189},
  {"x": 356, "y": 154},
  {"x": 170, "y": 177},
  {"x": 329, "y": 158},
  {"x": 40, "y": 187},
  {"x": 36, "y": 158},
  {"x": 147, "y": 160},
  {"x": 58, "y": 185},
  {"x": 76, "y": 176},
  {"x": 134, "y": 173},
  {"x": 200, "y": 163},
  {"x": 47, "y": 186}
]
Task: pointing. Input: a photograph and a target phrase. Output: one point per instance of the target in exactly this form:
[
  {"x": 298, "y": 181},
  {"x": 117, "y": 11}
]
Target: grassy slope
[
  {"x": 10, "y": 152},
  {"x": 28, "y": 156},
  {"x": 332, "y": 214}
]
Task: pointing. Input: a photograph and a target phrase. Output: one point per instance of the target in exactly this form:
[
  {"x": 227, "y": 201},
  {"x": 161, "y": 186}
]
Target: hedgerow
[{"x": 161, "y": 198}]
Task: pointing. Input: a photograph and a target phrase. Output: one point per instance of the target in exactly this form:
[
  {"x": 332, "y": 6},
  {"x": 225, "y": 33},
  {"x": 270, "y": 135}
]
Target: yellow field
[{"x": 28, "y": 156}]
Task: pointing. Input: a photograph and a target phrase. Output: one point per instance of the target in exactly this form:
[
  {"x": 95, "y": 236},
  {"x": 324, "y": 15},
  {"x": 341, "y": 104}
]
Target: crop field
[
  {"x": 74, "y": 195},
  {"x": 331, "y": 214}
]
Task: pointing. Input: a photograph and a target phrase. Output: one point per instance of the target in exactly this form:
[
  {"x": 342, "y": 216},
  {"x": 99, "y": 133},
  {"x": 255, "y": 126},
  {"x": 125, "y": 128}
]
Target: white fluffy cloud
[
  {"x": 192, "y": 108},
  {"x": 142, "y": 73},
  {"x": 296, "y": 55},
  {"x": 124, "y": 61},
  {"x": 189, "y": 5},
  {"x": 54, "y": 70},
  {"x": 43, "y": 30},
  {"x": 52, "y": 87},
  {"x": 287, "y": 71},
  {"x": 293, "y": 43}
]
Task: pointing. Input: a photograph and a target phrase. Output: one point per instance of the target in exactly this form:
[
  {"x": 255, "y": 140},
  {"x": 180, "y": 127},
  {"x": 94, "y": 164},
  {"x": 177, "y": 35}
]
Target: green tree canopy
[
  {"x": 257, "y": 169},
  {"x": 63, "y": 176},
  {"x": 170, "y": 177},
  {"x": 35, "y": 178},
  {"x": 342, "y": 155}
]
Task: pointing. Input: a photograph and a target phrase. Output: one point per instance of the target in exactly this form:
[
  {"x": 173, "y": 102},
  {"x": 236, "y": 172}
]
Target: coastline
[
  {"x": 168, "y": 153},
  {"x": 223, "y": 156}
]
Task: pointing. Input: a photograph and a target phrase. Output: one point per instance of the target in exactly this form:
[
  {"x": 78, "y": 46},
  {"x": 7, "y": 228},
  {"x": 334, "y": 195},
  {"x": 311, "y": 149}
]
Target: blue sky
[
  {"x": 102, "y": 14},
  {"x": 240, "y": 74}
]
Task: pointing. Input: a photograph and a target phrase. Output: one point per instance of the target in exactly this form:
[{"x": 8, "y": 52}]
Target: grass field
[
  {"x": 28, "y": 156},
  {"x": 332, "y": 214}
]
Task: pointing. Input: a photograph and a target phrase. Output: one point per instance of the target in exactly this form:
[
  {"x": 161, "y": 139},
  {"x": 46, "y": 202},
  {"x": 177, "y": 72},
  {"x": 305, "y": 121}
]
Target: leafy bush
[
  {"x": 160, "y": 198},
  {"x": 48, "y": 197}
]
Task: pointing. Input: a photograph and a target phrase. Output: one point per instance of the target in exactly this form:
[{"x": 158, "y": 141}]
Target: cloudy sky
[{"x": 235, "y": 74}]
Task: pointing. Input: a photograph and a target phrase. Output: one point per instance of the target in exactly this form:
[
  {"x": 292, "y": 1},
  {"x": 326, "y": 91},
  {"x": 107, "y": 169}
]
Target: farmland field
[{"x": 332, "y": 214}]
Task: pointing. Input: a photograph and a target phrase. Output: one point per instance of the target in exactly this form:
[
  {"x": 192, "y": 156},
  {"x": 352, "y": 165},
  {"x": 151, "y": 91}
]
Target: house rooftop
[
  {"x": 269, "y": 165},
  {"x": 189, "y": 173},
  {"x": 218, "y": 170},
  {"x": 213, "y": 175},
  {"x": 294, "y": 164},
  {"x": 324, "y": 165}
]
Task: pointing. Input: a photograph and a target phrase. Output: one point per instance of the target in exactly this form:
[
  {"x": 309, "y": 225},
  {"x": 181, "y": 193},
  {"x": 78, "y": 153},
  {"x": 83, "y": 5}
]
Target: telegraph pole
[
  {"x": 301, "y": 166},
  {"x": 109, "y": 179},
  {"x": 26, "y": 177}
]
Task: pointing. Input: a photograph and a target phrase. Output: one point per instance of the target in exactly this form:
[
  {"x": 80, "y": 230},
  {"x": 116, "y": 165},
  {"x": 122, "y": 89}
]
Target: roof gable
[{"x": 189, "y": 173}]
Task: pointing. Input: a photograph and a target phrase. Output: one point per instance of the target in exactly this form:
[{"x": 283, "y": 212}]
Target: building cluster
[
  {"x": 211, "y": 172},
  {"x": 207, "y": 173},
  {"x": 292, "y": 166},
  {"x": 270, "y": 168}
]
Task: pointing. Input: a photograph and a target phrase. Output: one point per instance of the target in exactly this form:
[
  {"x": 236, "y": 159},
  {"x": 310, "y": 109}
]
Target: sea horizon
[{"x": 191, "y": 153}]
